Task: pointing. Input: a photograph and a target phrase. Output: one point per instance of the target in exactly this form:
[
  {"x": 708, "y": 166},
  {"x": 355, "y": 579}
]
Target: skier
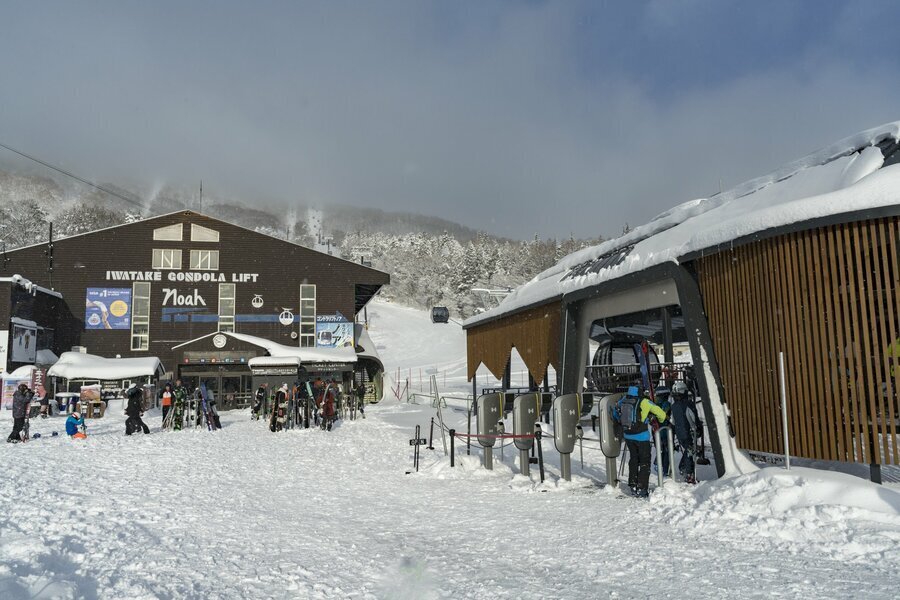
[
  {"x": 684, "y": 420},
  {"x": 134, "y": 408},
  {"x": 633, "y": 414},
  {"x": 166, "y": 397},
  {"x": 328, "y": 409},
  {"x": 73, "y": 423},
  {"x": 257, "y": 409},
  {"x": 180, "y": 395},
  {"x": 21, "y": 405},
  {"x": 361, "y": 399}
]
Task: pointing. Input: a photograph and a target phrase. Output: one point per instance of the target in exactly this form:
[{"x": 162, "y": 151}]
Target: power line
[{"x": 74, "y": 176}]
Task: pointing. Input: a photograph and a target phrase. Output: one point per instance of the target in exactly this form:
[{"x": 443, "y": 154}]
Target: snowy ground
[{"x": 244, "y": 513}]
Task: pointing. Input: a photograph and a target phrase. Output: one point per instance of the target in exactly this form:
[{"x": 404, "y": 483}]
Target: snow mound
[{"x": 800, "y": 510}]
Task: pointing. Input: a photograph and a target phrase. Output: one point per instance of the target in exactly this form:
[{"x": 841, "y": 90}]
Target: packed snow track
[{"x": 245, "y": 513}]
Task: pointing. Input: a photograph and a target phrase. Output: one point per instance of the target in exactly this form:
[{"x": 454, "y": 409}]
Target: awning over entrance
[
  {"x": 75, "y": 365},
  {"x": 534, "y": 333}
]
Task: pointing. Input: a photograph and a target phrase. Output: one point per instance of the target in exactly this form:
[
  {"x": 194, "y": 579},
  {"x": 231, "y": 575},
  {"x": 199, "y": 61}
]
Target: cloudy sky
[{"x": 515, "y": 117}]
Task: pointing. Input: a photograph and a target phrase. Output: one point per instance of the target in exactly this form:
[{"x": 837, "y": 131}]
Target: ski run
[{"x": 246, "y": 513}]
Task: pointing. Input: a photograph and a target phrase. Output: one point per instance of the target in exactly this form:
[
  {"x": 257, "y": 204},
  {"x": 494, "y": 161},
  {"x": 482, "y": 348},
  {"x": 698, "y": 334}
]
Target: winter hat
[
  {"x": 76, "y": 414},
  {"x": 284, "y": 386}
]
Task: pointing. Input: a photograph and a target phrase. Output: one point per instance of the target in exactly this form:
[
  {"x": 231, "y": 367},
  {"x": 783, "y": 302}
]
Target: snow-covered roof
[
  {"x": 365, "y": 346},
  {"x": 75, "y": 365},
  {"x": 30, "y": 286},
  {"x": 46, "y": 357},
  {"x": 844, "y": 177},
  {"x": 304, "y": 355}
]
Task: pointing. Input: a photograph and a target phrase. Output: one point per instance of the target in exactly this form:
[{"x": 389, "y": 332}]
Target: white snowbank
[{"x": 843, "y": 516}]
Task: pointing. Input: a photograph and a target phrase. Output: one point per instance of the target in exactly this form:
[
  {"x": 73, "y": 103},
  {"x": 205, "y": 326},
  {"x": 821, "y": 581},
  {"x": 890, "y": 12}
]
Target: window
[
  {"x": 172, "y": 233},
  {"x": 307, "y": 316},
  {"x": 140, "y": 316},
  {"x": 226, "y": 307},
  {"x": 166, "y": 259},
  {"x": 205, "y": 260},
  {"x": 203, "y": 234}
]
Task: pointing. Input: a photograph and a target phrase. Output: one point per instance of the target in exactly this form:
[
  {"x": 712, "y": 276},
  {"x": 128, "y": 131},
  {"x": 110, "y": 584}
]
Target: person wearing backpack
[{"x": 633, "y": 414}]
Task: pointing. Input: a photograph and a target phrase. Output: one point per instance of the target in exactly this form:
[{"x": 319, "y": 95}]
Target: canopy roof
[
  {"x": 75, "y": 365},
  {"x": 294, "y": 354},
  {"x": 855, "y": 174}
]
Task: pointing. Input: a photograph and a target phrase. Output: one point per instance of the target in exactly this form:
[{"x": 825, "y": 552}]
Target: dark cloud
[{"x": 554, "y": 118}]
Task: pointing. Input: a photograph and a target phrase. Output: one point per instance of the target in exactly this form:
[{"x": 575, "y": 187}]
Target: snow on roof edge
[{"x": 546, "y": 291}]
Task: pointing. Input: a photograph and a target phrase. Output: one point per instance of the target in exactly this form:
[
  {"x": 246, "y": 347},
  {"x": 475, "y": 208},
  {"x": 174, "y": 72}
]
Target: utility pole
[
  {"x": 200, "y": 208},
  {"x": 49, "y": 253}
]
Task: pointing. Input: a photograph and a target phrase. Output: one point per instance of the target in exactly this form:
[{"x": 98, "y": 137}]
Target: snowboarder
[
  {"x": 166, "y": 398},
  {"x": 134, "y": 408},
  {"x": 180, "y": 395},
  {"x": 21, "y": 406},
  {"x": 684, "y": 420},
  {"x": 257, "y": 409},
  {"x": 73, "y": 426},
  {"x": 633, "y": 413}
]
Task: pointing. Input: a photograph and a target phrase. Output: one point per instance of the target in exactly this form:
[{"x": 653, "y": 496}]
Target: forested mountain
[{"x": 432, "y": 261}]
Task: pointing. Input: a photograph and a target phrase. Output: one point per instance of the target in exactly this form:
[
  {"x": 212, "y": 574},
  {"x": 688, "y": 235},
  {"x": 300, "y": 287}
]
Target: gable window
[
  {"x": 166, "y": 258},
  {"x": 226, "y": 307},
  {"x": 172, "y": 233},
  {"x": 307, "y": 316},
  {"x": 205, "y": 260},
  {"x": 140, "y": 315},
  {"x": 203, "y": 234}
]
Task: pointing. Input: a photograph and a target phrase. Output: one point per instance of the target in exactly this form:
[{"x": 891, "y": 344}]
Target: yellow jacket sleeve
[{"x": 648, "y": 407}]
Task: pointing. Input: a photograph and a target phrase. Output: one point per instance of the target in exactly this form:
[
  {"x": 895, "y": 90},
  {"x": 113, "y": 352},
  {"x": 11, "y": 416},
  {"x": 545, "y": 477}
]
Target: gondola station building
[{"x": 203, "y": 296}]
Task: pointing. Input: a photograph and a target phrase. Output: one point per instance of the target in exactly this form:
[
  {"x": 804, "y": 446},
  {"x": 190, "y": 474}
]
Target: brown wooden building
[
  {"x": 804, "y": 261},
  {"x": 143, "y": 288}
]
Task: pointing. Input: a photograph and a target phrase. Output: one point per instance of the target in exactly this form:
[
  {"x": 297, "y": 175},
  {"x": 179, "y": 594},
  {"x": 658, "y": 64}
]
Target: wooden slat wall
[
  {"x": 830, "y": 299},
  {"x": 534, "y": 333}
]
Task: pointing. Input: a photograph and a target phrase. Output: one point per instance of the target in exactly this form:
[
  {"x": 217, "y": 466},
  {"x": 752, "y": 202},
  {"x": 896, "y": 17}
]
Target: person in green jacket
[{"x": 637, "y": 440}]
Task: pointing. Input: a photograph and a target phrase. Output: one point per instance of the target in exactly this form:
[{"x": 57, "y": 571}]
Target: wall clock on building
[
  {"x": 286, "y": 317},
  {"x": 219, "y": 340},
  {"x": 257, "y": 301}
]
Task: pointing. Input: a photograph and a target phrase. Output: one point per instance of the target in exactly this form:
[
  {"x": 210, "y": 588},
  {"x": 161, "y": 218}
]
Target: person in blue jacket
[
  {"x": 633, "y": 413},
  {"x": 72, "y": 423}
]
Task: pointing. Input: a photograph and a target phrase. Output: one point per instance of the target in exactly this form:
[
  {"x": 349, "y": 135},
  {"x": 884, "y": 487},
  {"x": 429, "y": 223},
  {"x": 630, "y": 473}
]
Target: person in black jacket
[
  {"x": 21, "y": 401},
  {"x": 134, "y": 408}
]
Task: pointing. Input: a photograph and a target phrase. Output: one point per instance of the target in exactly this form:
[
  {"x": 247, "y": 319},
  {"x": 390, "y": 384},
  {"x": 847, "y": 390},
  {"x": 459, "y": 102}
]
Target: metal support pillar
[
  {"x": 565, "y": 464},
  {"x": 668, "y": 349},
  {"x": 524, "y": 463}
]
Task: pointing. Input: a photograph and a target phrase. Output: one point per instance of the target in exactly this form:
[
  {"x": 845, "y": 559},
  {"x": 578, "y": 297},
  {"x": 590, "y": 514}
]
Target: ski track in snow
[{"x": 244, "y": 513}]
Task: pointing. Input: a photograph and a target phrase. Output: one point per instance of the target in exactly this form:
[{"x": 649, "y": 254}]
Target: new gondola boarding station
[{"x": 784, "y": 292}]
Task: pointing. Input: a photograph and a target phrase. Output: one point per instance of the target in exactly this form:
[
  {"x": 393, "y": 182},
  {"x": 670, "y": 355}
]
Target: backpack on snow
[{"x": 627, "y": 414}]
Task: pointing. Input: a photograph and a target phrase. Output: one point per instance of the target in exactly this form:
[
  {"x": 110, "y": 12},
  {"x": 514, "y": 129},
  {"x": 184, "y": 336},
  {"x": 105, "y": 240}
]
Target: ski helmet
[
  {"x": 76, "y": 414},
  {"x": 633, "y": 391},
  {"x": 679, "y": 388}
]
